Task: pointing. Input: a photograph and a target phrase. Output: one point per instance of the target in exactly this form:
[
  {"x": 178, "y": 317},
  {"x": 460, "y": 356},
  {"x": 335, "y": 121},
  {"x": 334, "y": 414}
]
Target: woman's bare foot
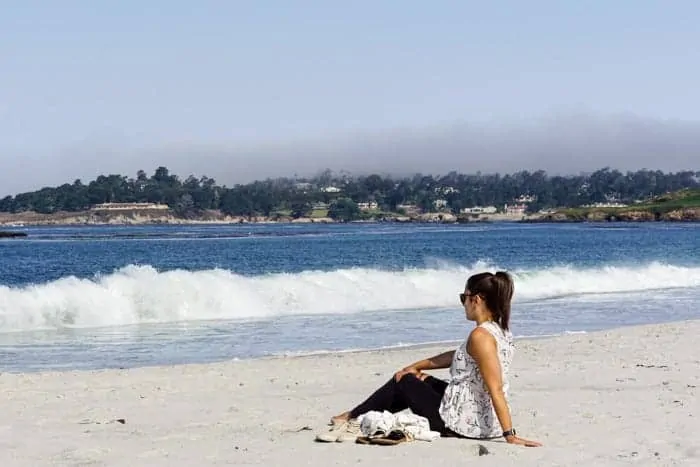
[{"x": 342, "y": 418}]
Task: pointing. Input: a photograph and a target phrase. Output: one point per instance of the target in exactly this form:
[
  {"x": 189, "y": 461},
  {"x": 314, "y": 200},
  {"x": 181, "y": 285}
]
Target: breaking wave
[{"x": 142, "y": 294}]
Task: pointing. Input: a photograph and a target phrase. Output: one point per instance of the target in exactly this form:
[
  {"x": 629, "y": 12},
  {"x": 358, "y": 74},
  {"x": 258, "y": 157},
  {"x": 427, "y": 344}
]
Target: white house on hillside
[
  {"x": 480, "y": 210},
  {"x": 440, "y": 203},
  {"x": 368, "y": 206},
  {"x": 516, "y": 209}
]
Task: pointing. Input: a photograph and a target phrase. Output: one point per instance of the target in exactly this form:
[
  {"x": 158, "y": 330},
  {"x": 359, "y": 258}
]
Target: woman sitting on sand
[{"x": 474, "y": 402}]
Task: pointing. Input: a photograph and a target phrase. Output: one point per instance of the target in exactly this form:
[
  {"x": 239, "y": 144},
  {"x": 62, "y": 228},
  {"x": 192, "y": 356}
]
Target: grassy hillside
[
  {"x": 679, "y": 205},
  {"x": 689, "y": 198}
]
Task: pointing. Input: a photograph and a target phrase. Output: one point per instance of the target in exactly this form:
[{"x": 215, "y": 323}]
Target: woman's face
[{"x": 468, "y": 302}]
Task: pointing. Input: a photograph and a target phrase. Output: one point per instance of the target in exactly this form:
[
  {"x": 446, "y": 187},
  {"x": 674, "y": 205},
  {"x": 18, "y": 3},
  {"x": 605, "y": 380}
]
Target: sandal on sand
[{"x": 391, "y": 439}]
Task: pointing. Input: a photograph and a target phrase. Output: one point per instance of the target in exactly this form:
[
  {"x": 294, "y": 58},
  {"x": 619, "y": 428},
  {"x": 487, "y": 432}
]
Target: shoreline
[
  {"x": 436, "y": 345},
  {"x": 408, "y": 347},
  {"x": 10, "y": 228},
  {"x": 584, "y": 396},
  {"x": 353, "y": 352},
  {"x": 12, "y": 225},
  {"x": 311, "y": 354},
  {"x": 128, "y": 217}
]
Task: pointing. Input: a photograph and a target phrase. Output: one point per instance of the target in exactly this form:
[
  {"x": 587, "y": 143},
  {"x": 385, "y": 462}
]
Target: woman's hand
[
  {"x": 406, "y": 371},
  {"x": 443, "y": 360},
  {"x": 523, "y": 442}
]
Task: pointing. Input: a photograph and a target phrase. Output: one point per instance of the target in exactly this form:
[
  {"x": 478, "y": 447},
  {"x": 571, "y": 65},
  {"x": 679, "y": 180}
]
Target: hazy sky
[{"x": 247, "y": 89}]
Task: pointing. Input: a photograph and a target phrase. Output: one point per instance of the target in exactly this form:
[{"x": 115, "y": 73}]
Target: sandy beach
[{"x": 623, "y": 396}]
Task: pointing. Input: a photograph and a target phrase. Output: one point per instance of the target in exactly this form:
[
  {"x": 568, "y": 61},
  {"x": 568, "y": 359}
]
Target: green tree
[
  {"x": 300, "y": 208},
  {"x": 344, "y": 209},
  {"x": 194, "y": 195}
]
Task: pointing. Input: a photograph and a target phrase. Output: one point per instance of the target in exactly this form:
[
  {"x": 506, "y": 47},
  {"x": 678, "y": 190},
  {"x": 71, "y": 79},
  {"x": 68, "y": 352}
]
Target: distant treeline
[{"x": 341, "y": 193}]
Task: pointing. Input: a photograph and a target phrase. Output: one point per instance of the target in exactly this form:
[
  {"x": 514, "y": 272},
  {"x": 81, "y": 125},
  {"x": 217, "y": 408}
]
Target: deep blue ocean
[{"x": 118, "y": 297}]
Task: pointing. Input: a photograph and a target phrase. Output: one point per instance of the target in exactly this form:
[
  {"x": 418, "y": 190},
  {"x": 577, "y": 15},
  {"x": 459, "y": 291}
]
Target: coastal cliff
[
  {"x": 678, "y": 215},
  {"x": 215, "y": 217},
  {"x": 135, "y": 217},
  {"x": 145, "y": 217},
  {"x": 680, "y": 206}
]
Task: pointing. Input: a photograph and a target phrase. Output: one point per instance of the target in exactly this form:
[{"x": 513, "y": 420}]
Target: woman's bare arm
[
  {"x": 443, "y": 360},
  {"x": 437, "y": 362},
  {"x": 482, "y": 347}
]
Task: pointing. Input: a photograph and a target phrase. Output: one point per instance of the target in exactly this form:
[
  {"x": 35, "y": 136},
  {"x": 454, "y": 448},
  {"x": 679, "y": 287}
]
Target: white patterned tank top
[{"x": 466, "y": 407}]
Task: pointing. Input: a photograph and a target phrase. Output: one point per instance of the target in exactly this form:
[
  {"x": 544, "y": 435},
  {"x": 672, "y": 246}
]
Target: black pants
[{"x": 422, "y": 397}]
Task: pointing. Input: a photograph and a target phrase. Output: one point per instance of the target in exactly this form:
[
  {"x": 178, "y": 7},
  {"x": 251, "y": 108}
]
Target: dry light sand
[{"x": 610, "y": 398}]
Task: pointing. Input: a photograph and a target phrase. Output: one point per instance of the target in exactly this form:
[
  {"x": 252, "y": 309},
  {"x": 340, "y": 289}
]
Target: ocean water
[{"x": 119, "y": 297}]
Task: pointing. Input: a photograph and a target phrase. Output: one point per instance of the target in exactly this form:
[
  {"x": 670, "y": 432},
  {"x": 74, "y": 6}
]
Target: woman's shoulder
[
  {"x": 480, "y": 336},
  {"x": 494, "y": 330},
  {"x": 478, "y": 330}
]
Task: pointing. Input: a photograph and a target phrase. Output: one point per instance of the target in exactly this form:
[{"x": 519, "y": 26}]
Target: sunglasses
[{"x": 463, "y": 297}]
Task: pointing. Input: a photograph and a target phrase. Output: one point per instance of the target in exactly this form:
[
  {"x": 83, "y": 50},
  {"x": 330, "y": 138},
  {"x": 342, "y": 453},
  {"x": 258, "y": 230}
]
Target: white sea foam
[{"x": 141, "y": 294}]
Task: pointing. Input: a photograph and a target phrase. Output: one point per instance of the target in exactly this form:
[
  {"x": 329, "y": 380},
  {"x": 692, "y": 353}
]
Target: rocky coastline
[
  {"x": 216, "y": 217},
  {"x": 144, "y": 217},
  {"x": 638, "y": 215}
]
